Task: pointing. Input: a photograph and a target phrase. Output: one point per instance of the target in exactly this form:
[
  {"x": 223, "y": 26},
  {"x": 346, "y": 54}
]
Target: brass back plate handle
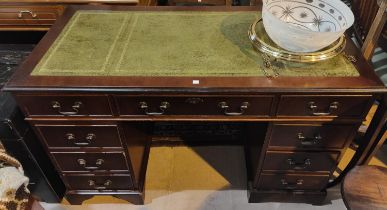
[
  {"x": 163, "y": 107},
  {"x": 332, "y": 108},
  {"x": 223, "y": 105},
  {"x": 97, "y": 186},
  {"x": 309, "y": 141},
  {"x": 90, "y": 137},
  {"x": 57, "y": 106},
  {"x": 292, "y": 186},
  {"x": 83, "y": 163},
  {"x": 299, "y": 166},
  {"x": 21, "y": 12}
]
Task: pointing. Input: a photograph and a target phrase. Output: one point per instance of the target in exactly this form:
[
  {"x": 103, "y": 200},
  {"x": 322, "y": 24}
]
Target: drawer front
[
  {"x": 91, "y": 162},
  {"x": 198, "y": 2},
  {"x": 306, "y": 136},
  {"x": 75, "y": 136},
  {"x": 324, "y": 106},
  {"x": 29, "y": 15},
  {"x": 65, "y": 105},
  {"x": 99, "y": 182},
  {"x": 300, "y": 161},
  {"x": 292, "y": 182},
  {"x": 225, "y": 105}
]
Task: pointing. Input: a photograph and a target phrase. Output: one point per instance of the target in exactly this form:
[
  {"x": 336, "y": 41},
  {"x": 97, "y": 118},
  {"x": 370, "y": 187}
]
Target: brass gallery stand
[{"x": 270, "y": 52}]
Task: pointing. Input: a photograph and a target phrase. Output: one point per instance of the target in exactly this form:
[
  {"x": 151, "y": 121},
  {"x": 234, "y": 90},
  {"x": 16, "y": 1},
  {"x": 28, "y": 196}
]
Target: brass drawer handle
[
  {"x": 299, "y": 166},
  {"x": 83, "y": 163},
  {"x": 88, "y": 139},
  {"x": 332, "y": 107},
  {"x": 103, "y": 186},
  {"x": 223, "y": 105},
  {"x": 21, "y": 12},
  {"x": 56, "y": 105},
  {"x": 163, "y": 107},
  {"x": 292, "y": 186},
  {"x": 308, "y": 141}
]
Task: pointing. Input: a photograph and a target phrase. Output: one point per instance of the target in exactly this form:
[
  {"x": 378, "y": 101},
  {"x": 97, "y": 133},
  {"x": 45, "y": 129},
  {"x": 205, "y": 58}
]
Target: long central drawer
[{"x": 194, "y": 105}]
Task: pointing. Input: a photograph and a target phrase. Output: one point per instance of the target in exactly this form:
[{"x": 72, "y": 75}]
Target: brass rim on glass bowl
[{"x": 269, "y": 48}]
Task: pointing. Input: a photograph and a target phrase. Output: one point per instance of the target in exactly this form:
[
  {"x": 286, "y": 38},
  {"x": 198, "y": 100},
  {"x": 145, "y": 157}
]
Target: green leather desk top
[{"x": 160, "y": 43}]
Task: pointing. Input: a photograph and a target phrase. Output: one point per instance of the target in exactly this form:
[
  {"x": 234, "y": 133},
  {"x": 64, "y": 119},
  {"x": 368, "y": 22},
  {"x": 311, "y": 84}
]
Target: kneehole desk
[{"x": 101, "y": 82}]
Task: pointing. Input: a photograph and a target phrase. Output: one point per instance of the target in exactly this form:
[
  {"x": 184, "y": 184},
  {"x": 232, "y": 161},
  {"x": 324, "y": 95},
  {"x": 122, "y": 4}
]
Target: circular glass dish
[{"x": 261, "y": 42}]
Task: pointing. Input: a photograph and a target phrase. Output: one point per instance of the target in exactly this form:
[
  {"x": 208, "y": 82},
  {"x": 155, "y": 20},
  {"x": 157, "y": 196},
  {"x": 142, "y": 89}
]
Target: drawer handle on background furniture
[
  {"x": 332, "y": 107},
  {"x": 299, "y": 166},
  {"x": 292, "y": 186},
  {"x": 103, "y": 186},
  {"x": 243, "y": 107},
  {"x": 89, "y": 138},
  {"x": 163, "y": 107},
  {"x": 21, "y": 12},
  {"x": 83, "y": 163},
  {"x": 56, "y": 105},
  {"x": 307, "y": 141}
]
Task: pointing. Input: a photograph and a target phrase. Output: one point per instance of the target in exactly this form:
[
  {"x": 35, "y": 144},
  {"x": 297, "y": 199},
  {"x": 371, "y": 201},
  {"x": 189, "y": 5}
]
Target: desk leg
[
  {"x": 77, "y": 199},
  {"x": 134, "y": 199}
]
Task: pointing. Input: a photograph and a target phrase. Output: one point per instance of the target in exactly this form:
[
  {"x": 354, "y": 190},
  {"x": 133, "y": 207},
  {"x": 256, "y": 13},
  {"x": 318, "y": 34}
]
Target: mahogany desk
[{"x": 94, "y": 100}]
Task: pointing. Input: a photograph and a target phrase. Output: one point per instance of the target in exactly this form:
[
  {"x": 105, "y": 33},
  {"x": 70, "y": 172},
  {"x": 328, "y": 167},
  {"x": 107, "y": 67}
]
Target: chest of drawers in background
[
  {"x": 40, "y": 15},
  {"x": 29, "y": 16}
]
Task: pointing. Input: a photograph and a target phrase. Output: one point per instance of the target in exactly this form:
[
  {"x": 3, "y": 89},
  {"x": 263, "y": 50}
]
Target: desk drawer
[
  {"x": 307, "y": 136},
  {"x": 64, "y": 105},
  {"x": 195, "y": 105},
  {"x": 292, "y": 182},
  {"x": 300, "y": 161},
  {"x": 99, "y": 182},
  {"x": 91, "y": 162},
  {"x": 198, "y": 2},
  {"x": 29, "y": 15},
  {"x": 76, "y": 136},
  {"x": 324, "y": 106}
]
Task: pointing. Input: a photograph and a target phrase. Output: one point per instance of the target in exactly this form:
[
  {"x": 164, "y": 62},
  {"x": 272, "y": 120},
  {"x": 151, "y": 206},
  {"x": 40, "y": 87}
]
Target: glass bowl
[{"x": 305, "y": 25}]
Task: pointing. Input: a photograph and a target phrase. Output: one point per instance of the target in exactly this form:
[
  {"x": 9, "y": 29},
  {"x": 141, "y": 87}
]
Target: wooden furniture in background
[
  {"x": 376, "y": 133},
  {"x": 370, "y": 20},
  {"x": 364, "y": 188},
  {"x": 372, "y": 37},
  {"x": 294, "y": 129},
  {"x": 40, "y": 15},
  {"x": 197, "y": 2}
]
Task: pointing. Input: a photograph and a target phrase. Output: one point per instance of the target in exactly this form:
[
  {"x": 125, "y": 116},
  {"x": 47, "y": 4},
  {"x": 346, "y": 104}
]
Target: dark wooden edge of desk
[{"x": 22, "y": 80}]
